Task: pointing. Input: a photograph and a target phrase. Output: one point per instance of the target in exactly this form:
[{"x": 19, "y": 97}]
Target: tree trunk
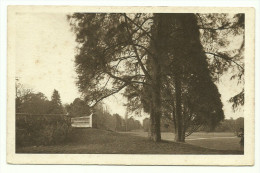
[
  {"x": 179, "y": 121},
  {"x": 155, "y": 133},
  {"x": 173, "y": 117},
  {"x": 183, "y": 130},
  {"x": 156, "y": 62}
]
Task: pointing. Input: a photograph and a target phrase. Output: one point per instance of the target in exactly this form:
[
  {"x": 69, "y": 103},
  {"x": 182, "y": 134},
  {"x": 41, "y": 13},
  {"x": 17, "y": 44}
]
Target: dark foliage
[
  {"x": 55, "y": 104},
  {"x": 160, "y": 62},
  {"x": 78, "y": 108},
  {"x": 35, "y": 130},
  {"x": 218, "y": 32}
]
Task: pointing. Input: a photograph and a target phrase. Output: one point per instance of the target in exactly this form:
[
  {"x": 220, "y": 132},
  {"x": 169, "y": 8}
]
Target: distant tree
[
  {"x": 34, "y": 104},
  {"x": 28, "y": 102},
  {"x": 78, "y": 108},
  {"x": 133, "y": 124},
  {"x": 146, "y": 124},
  {"x": 21, "y": 94},
  {"x": 104, "y": 120},
  {"x": 55, "y": 103},
  {"x": 228, "y": 125},
  {"x": 118, "y": 122}
]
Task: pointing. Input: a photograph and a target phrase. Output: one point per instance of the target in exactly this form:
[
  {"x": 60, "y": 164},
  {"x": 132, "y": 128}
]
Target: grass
[
  {"x": 224, "y": 144},
  {"x": 95, "y": 141},
  {"x": 212, "y": 140}
]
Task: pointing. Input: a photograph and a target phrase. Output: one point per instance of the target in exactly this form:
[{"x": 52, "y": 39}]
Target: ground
[
  {"x": 217, "y": 140},
  {"x": 95, "y": 141}
]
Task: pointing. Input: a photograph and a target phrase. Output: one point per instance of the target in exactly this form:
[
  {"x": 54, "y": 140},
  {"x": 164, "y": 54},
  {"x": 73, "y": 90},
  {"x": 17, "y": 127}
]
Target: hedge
[{"x": 36, "y": 130}]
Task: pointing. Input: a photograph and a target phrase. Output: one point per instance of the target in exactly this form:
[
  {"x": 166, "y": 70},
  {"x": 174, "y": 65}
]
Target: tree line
[
  {"x": 104, "y": 120},
  {"x": 29, "y": 102},
  {"x": 39, "y": 121},
  {"x": 165, "y": 64},
  {"x": 227, "y": 125}
]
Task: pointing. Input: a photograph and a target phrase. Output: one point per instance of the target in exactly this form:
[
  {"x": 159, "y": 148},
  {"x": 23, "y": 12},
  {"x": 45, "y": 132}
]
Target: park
[{"x": 133, "y": 83}]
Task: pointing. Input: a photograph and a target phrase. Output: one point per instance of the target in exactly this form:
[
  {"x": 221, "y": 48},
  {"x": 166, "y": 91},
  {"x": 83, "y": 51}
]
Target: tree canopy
[
  {"x": 162, "y": 62},
  {"x": 36, "y": 103},
  {"x": 78, "y": 108}
]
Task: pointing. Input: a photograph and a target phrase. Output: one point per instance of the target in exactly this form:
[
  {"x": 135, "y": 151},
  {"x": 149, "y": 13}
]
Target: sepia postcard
[{"x": 130, "y": 85}]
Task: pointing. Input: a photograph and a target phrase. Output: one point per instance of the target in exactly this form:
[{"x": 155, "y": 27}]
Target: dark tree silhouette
[
  {"x": 218, "y": 32},
  {"x": 112, "y": 54},
  {"x": 189, "y": 97},
  {"x": 159, "y": 62},
  {"x": 56, "y": 105},
  {"x": 29, "y": 102},
  {"x": 78, "y": 108}
]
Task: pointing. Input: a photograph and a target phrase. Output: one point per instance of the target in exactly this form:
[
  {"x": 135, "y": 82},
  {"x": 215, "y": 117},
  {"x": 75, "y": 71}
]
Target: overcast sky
[{"x": 45, "y": 61}]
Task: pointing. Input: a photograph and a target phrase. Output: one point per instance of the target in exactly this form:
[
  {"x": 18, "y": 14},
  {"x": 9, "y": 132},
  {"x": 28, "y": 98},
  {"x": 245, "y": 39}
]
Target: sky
[{"x": 45, "y": 50}]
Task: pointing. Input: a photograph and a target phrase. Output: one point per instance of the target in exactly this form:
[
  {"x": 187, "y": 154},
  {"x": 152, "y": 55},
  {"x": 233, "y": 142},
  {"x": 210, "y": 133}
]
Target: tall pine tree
[{"x": 56, "y": 105}]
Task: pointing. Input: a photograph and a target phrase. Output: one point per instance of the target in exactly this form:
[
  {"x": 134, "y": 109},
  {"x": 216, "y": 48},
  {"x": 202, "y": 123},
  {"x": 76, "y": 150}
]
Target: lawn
[
  {"x": 213, "y": 140},
  {"x": 95, "y": 141}
]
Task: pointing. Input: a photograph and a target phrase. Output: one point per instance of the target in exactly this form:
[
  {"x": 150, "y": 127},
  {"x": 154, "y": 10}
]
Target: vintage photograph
[{"x": 118, "y": 82}]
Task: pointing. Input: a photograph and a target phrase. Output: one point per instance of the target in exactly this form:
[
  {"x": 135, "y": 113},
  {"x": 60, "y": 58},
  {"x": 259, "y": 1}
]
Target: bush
[{"x": 41, "y": 129}]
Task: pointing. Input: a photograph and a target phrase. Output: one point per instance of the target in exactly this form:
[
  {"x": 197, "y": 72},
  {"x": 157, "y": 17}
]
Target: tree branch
[
  {"x": 193, "y": 130},
  {"x": 129, "y": 81},
  {"x": 223, "y": 27},
  {"x": 138, "y": 45},
  {"x": 113, "y": 92},
  {"x": 136, "y": 52},
  {"x": 215, "y": 29},
  {"x": 225, "y": 58},
  {"x": 140, "y": 27}
]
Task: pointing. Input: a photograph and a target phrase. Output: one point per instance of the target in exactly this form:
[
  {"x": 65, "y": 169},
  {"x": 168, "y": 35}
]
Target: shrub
[{"x": 41, "y": 129}]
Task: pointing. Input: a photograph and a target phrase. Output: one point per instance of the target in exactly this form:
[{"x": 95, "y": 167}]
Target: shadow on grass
[{"x": 96, "y": 141}]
